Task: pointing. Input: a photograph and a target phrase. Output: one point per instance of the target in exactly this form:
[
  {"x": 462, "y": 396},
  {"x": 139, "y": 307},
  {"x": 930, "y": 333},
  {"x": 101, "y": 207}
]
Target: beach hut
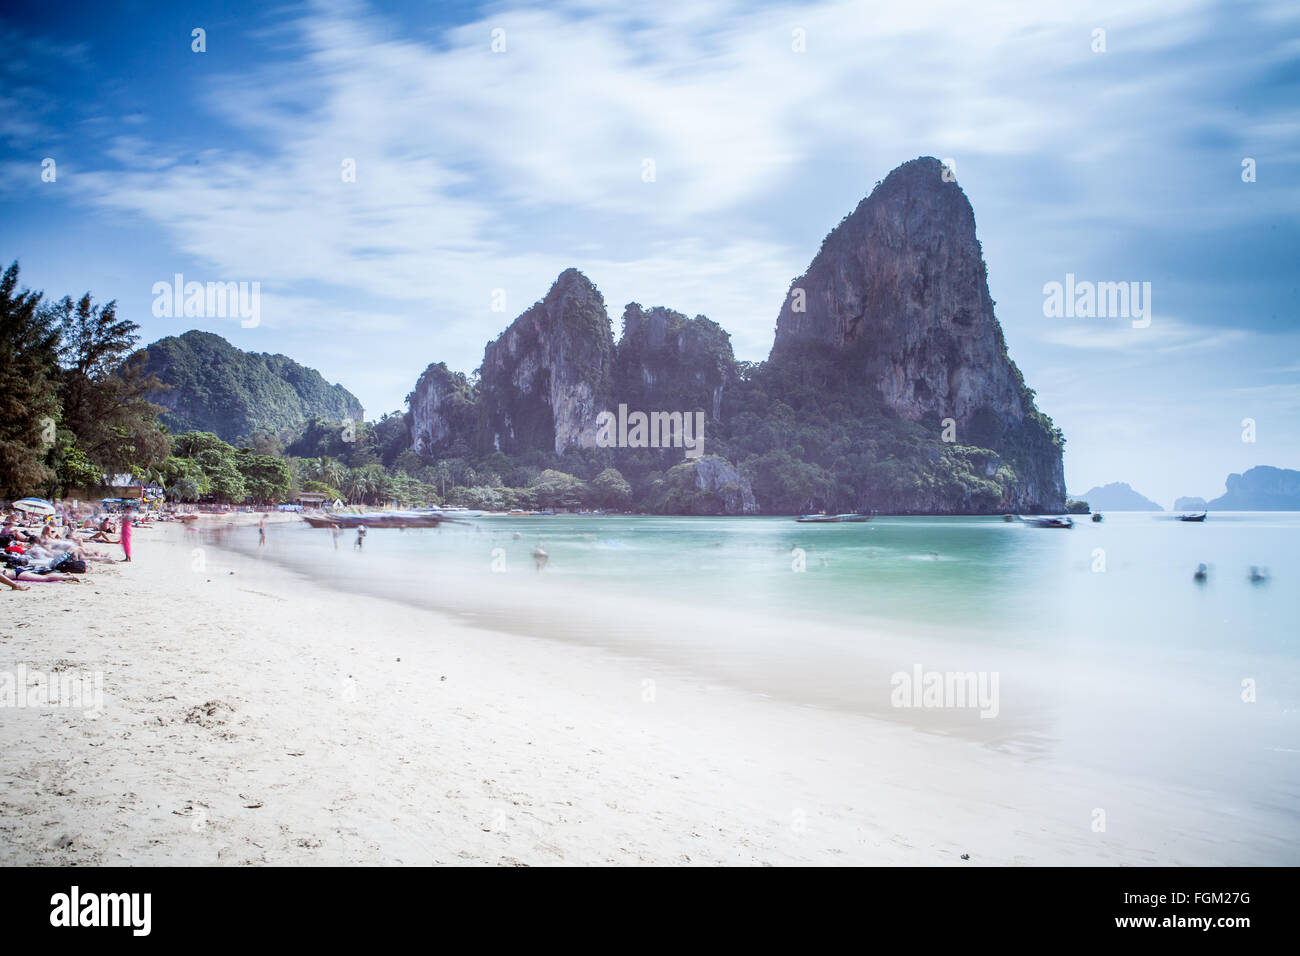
[
  {"x": 310, "y": 499},
  {"x": 126, "y": 486}
]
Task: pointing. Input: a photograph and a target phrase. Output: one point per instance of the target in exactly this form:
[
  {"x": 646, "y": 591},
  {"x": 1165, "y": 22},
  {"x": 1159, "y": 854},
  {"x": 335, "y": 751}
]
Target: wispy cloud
[{"x": 478, "y": 170}]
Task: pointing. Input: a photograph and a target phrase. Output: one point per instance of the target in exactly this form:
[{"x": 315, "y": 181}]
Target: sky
[{"x": 495, "y": 145}]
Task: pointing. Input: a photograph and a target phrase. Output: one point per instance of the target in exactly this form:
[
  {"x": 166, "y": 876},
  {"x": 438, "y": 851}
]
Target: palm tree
[
  {"x": 185, "y": 445},
  {"x": 442, "y": 475},
  {"x": 332, "y": 472}
]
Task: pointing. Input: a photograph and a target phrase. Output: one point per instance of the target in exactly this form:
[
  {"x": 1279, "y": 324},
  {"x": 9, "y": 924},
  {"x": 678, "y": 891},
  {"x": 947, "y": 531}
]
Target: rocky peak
[
  {"x": 546, "y": 377},
  {"x": 898, "y": 292},
  {"x": 441, "y": 409},
  {"x": 900, "y": 284},
  {"x": 665, "y": 361}
]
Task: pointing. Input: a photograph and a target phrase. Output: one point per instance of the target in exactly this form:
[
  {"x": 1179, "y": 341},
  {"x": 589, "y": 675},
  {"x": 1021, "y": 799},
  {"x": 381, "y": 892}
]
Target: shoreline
[{"x": 246, "y": 722}]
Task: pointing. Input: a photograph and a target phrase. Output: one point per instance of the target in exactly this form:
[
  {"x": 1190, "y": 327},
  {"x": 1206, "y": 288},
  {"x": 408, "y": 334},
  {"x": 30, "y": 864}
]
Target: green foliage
[
  {"x": 611, "y": 489},
  {"x": 29, "y": 405},
  {"x": 72, "y": 468},
  {"x": 665, "y": 361},
  {"x": 104, "y": 398},
  {"x": 555, "y": 489},
  {"x": 209, "y": 385},
  {"x": 266, "y": 478},
  {"x": 1073, "y": 507}
]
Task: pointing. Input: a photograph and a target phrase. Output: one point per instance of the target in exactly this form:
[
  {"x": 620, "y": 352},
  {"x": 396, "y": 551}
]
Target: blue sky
[{"x": 481, "y": 170}]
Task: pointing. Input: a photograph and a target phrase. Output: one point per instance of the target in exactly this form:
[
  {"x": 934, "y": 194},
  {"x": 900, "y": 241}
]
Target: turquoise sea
[{"x": 1108, "y": 654}]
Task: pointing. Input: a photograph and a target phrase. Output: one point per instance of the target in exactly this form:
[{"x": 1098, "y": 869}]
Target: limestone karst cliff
[
  {"x": 665, "y": 360},
  {"x": 899, "y": 293},
  {"x": 546, "y": 378},
  {"x": 888, "y": 387}
]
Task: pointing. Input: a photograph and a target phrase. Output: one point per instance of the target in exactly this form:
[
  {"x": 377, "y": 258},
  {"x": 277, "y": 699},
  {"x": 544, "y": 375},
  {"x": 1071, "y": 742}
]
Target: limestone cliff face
[
  {"x": 441, "y": 409},
  {"x": 667, "y": 362},
  {"x": 546, "y": 378},
  {"x": 899, "y": 291},
  {"x": 718, "y": 479}
]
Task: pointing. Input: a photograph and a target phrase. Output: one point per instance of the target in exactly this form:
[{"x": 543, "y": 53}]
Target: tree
[
  {"x": 555, "y": 489},
  {"x": 72, "y": 469},
  {"x": 442, "y": 475},
  {"x": 266, "y": 477},
  {"x": 211, "y": 463},
  {"x": 612, "y": 489},
  {"x": 29, "y": 406},
  {"x": 104, "y": 396},
  {"x": 184, "y": 489}
]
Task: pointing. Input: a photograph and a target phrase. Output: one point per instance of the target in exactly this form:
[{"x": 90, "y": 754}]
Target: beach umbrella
[{"x": 37, "y": 506}]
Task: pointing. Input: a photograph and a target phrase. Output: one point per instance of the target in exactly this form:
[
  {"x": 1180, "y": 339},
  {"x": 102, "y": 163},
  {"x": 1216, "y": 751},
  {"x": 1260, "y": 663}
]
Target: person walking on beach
[
  {"x": 261, "y": 532},
  {"x": 334, "y": 533},
  {"x": 126, "y": 535},
  {"x": 361, "y": 536}
]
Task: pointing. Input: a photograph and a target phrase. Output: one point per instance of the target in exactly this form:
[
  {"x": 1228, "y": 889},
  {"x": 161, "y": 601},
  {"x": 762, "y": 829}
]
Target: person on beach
[
  {"x": 334, "y": 533},
  {"x": 10, "y": 582},
  {"x": 126, "y": 536},
  {"x": 361, "y": 536},
  {"x": 74, "y": 545},
  {"x": 261, "y": 532},
  {"x": 23, "y": 574}
]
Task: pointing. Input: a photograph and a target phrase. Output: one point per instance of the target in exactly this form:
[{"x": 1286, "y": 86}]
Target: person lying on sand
[
  {"x": 106, "y": 527},
  {"x": 25, "y": 574},
  {"x": 74, "y": 546},
  {"x": 37, "y": 554},
  {"x": 11, "y": 583}
]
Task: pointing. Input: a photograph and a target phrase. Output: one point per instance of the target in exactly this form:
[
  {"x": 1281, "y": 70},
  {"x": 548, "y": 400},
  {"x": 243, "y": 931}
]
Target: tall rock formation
[
  {"x": 899, "y": 293},
  {"x": 442, "y": 410},
  {"x": 667, "y": 362},
  {"x": 546, "y": 377},
  {"x": 890, "y": 332}
]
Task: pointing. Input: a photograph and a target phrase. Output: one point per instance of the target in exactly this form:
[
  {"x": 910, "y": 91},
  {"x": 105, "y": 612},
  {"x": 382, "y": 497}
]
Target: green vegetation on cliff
[{"x": 209, "y": 385}]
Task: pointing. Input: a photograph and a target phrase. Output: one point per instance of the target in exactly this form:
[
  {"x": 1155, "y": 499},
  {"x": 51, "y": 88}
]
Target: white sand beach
[{"x": 252, "y": 716}]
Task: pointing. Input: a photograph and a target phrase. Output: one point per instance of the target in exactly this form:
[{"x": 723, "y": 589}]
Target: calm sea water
[{"x": 1106, "y": 651}]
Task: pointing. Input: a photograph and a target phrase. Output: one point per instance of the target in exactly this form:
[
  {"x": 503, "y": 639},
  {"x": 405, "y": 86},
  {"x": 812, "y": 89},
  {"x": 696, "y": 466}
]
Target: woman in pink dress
[{"x": 126, "y": 535}]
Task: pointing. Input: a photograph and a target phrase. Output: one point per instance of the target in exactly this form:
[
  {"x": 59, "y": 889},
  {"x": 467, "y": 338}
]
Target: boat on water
[
  {"x": 1200, "y": 516},
  {"x": 832, "y": 519},
  {"x": 1097, "y": 517},
  {"x": 383, "y": 519},
  {"x": 1049, "y": 522}
]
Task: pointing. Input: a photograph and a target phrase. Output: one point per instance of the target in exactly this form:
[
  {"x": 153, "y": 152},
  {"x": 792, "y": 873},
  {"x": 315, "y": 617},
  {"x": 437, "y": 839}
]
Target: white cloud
[
  {"x": 1163, "y": 335},
  {"x": 478, "y": 171}
]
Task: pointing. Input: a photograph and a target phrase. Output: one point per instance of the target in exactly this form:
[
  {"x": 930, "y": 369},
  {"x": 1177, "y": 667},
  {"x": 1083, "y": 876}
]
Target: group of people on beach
[{"x": 40, "y": 549}]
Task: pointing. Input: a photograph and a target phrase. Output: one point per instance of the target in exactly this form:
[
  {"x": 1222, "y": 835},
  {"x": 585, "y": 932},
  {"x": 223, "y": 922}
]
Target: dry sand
[{"x": 253, "y": 717}]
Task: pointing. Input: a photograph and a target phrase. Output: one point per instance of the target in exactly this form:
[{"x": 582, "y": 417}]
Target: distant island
[
  {"x": 1116, "y": 496},
  {"x": 1263, "y": 488}
]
